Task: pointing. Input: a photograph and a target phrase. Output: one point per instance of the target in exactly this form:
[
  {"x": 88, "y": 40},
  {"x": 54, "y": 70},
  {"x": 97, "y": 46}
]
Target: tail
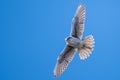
[{"x": 87, "y": 48}]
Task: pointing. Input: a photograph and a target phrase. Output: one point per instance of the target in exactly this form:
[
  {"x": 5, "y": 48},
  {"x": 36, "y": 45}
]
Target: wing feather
[
  {"x": 63, "y": 60},
  {"x": 78, "y": 22}
]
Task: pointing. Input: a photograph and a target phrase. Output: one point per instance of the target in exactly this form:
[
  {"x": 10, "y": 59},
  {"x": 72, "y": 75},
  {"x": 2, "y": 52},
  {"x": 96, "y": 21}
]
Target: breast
[{"x": 74, "y": 42}]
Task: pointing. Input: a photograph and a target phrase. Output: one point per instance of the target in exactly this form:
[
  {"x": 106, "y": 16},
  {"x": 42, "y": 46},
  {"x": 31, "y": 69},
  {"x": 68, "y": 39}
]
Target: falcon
[{"x": 74, "y": 42}]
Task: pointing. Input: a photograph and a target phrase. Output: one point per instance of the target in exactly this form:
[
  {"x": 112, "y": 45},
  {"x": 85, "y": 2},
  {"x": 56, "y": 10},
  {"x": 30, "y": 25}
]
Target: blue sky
[{"x": 32, "y": 34}]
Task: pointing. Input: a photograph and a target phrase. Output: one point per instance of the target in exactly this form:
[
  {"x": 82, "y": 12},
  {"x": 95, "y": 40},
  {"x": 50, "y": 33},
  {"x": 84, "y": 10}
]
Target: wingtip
[
  {"x": 82, "y": 4},
  {"x": 80, "y": 12},
  {"x": 54, "y": 75}
]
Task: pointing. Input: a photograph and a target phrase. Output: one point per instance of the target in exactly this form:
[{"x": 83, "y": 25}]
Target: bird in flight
[{"x": 75, "y": 42}]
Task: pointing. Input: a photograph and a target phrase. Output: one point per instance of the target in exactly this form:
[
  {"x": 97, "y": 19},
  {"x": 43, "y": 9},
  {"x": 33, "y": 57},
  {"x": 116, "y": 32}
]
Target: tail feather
[{"x": 87, "y": 48}]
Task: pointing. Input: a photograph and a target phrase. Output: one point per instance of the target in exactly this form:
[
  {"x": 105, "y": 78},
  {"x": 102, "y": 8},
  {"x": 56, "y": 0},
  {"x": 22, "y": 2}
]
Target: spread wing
[
  {"x": 78, "y": 22},
  {"x": 64, "y": 58}
]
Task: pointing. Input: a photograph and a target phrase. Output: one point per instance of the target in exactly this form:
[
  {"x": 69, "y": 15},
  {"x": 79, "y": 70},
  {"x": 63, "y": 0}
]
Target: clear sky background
[{"x": 32, "y": 34}]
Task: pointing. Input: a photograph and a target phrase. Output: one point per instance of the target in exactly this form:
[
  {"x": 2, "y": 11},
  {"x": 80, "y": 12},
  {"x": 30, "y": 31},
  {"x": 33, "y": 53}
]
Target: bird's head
[{"x": 68, "y": 38}]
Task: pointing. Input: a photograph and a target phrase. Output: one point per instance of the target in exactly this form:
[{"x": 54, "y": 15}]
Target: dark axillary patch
[
  {"x": 63, "y": 57},
  {"x": 76, "y": 27}
]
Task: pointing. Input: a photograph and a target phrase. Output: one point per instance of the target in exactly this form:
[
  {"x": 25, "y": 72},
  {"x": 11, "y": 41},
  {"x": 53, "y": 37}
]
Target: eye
[{"x": 68, "y": 38}]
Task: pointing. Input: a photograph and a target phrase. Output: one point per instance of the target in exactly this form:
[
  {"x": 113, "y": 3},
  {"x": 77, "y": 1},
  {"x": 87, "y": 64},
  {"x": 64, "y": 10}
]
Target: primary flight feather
[{"x": 75, "y": 42}]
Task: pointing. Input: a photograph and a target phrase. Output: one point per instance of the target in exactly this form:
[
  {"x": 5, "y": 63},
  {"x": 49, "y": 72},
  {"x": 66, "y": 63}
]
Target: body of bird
[{"x": 75, "y": 42}]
